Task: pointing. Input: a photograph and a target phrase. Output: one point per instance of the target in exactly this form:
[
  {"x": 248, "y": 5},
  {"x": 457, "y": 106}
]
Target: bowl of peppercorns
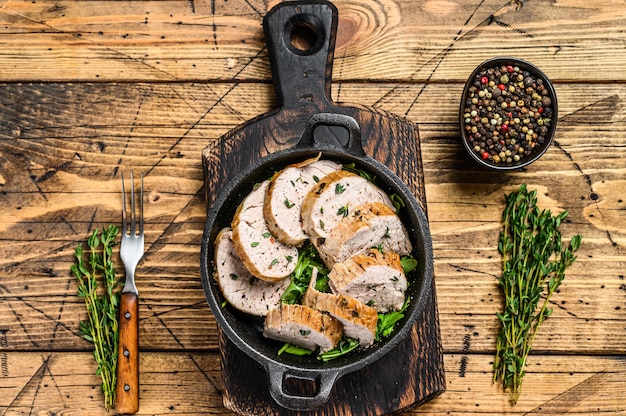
[{"x": 508, "y": 113}]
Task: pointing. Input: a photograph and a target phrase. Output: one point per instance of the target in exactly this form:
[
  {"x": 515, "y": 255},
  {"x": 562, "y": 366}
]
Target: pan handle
[
  {"x": 325, "y": 380},
  {"x": 309, "y": 140}
]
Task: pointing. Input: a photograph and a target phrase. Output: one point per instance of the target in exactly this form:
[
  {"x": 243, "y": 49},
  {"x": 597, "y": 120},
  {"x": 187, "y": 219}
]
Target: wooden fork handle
[{"x": 127, "y": 389}]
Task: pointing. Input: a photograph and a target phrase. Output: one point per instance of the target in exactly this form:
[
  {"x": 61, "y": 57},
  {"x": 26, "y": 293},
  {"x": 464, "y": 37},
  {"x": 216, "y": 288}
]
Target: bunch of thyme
[
  {"x": 534, "y": 263},
  {"x": 102, "y": 305}
]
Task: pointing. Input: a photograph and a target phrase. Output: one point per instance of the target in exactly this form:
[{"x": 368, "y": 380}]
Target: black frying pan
[{"x": 246, "y": 331}]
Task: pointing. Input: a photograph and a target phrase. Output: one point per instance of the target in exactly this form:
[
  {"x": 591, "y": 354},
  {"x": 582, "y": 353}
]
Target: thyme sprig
[
  {"x": 534, "y": 264},
  {"x": 100, "y": 328}
]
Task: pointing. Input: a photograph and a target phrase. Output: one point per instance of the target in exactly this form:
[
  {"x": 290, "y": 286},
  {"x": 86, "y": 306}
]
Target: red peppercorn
[
  {"x": 509, "y": 69},
  {"x": 485, "y": 155},
  {"x": 540, "y": 110},
  {"x": 501, "y": 87},
  {"x": 504, "y": 128},
  {"x": 484, "y": 80},
  {"x": 510, "y": 114}
]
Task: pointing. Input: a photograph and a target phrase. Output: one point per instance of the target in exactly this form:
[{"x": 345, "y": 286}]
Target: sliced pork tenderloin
[
  {"x": 238, "y": 286},
  {"x": 359, "y": 320},
  {"x": 376, "y": 279},
  {"x": 335, "y": 197},
  {"x": 264, "y": 256},
  {"x": 285, "y": 194},
  {"x": 373, "y": 224},
  {"x": 302, "y": 326}
]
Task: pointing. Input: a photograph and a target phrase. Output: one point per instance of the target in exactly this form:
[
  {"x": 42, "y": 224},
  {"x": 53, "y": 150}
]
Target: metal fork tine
[
  {"x": 123, "y": 207},
  {"x": 132, "y": 204},
  {"x": 141, "y": 207}
]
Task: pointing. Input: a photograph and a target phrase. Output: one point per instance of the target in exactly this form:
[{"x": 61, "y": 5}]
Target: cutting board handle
[{"x": 300, "y": 38}]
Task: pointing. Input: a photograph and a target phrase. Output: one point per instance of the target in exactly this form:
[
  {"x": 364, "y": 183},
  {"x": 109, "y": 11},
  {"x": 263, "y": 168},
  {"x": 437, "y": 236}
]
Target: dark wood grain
[{"x": 412, "y": 373}]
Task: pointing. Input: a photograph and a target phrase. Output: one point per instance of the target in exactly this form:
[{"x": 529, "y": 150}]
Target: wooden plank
[
  {"x": 60, "y": 146},
  {"x": 189, "y": 383},
  {"x": 403, "y": 40}
]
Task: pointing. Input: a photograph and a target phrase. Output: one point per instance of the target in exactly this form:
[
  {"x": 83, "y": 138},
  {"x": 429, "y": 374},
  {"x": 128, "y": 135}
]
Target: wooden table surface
[{"x": 88, "y": 89}]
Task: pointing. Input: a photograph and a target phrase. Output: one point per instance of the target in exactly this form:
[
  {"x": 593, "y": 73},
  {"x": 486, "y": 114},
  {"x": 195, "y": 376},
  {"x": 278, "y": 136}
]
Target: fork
[{"x": 131, "y": 252}]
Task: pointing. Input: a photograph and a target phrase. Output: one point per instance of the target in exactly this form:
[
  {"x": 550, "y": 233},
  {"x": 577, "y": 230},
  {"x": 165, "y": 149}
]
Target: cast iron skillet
[{"x": 246, "y": 331}]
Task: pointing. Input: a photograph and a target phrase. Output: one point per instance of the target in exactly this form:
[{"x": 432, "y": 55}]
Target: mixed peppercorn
[{"x": 507, "y": 114}]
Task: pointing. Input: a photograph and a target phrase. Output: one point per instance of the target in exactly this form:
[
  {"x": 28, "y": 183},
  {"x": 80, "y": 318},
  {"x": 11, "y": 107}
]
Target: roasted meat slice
[
  {"x": 373, "y": 224},
  {"x": 285, "y": 194},
  {"x": 376, "y": 279},
  {"x": 303, "y": 326},
  {"x": 263, "y": 255},
  {"x": 335, "y": 197},
  {"x": 358, "y": 320},
  {"x": 238, "y": 286}
]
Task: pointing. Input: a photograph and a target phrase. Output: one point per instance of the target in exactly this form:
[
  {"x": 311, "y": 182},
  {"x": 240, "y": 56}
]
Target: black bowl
[{"x": 490, "y": 128}]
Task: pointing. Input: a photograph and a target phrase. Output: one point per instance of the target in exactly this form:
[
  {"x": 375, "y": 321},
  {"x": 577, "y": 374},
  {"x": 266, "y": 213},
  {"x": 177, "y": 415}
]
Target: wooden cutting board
[{"x": 301, "y": 40}]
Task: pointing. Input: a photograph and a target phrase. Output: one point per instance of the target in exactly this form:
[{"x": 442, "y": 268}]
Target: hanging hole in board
[{"x": 305, "y": 35}]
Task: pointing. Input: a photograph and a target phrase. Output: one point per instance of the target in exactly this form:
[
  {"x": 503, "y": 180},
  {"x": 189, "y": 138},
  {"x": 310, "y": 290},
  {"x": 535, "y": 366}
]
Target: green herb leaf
[
  {"x": 308, "y": 260},
  {"x": 351, "y": 167},
  {"x": 397, "y": 201},
  {"x": 345, "y": 346},
  {"x": 408, "y": 264},
  {"x": 387, "y": 321},
  {"x": 288, "y": 203},
  {"x": 294, "y": 350},
  {"x": 343, "y": 211}
]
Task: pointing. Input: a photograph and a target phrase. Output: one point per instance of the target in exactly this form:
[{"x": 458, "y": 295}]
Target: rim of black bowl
[{"x": 523, "y": 65}]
